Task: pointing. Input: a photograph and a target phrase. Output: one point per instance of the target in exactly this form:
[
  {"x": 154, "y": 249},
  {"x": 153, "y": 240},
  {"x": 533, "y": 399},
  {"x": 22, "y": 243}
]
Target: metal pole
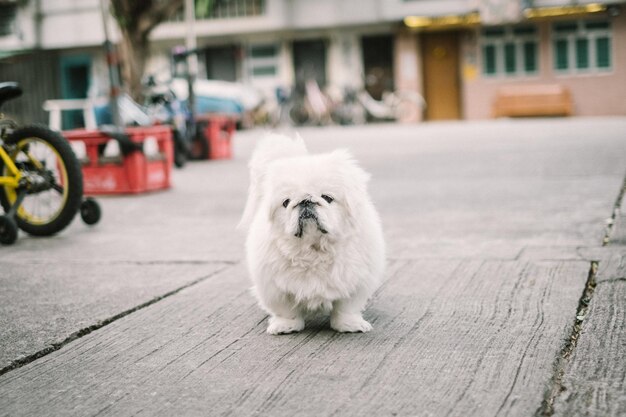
[
  {"x": 112, "y": 63},
  {"x": 192, "y": 59}
]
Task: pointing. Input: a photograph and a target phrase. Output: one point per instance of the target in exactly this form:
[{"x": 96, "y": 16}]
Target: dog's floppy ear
[
  {"x": 268, "y": 148},
  {"x": 349, "y": 169}
]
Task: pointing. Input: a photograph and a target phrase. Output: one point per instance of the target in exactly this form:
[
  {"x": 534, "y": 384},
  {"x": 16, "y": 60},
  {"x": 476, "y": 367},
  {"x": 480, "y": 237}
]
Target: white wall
[
  {"x": 64, "y": 24},
  {"x": 399, "y": 9},
  {"x": 72, "y": 23},
  {"x": 315, "y": 14},
  {"x": 78, "y": 23},
  {"x": 24, "y": 30},
  {"x": 344, "y": 63}
]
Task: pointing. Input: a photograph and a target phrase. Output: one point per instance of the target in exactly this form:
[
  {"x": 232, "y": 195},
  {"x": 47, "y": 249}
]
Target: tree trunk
[
  {"x": 134, "y": 53},
  {"x": 136, "y": 19}
]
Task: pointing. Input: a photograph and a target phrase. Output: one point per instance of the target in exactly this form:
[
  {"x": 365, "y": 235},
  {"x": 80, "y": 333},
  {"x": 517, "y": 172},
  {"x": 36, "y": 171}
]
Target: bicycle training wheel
[{"x": 52, "y": 178}]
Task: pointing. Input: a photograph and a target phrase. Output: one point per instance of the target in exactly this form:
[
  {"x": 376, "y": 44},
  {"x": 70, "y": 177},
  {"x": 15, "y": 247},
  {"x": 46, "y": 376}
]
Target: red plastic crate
[
  {"x": 127, "y": 174},
  {"x": 217, "y": 131}
]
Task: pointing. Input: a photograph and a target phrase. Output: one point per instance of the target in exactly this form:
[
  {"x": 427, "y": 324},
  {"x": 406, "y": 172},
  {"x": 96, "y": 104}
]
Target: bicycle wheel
[
  {"x": 53, "y": 180},
  {"x": 299, "y": 114}
]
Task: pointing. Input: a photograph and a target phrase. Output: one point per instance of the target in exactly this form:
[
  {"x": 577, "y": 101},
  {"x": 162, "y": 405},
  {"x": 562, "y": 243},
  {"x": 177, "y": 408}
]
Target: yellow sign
[
  {"x": 564, "y": 10},
  {"x": 439, "y": 22},
  {"x": 470, "y": 72}
]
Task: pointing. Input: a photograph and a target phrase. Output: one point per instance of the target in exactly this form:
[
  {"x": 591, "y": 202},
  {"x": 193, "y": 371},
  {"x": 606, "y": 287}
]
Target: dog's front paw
[
  {"x": 281, "y": 325},
  {"x": 350, "y": 323}
]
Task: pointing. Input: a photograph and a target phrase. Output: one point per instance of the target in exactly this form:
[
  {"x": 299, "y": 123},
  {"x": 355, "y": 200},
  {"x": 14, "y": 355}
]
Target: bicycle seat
[{"x": 8, "y": 91}]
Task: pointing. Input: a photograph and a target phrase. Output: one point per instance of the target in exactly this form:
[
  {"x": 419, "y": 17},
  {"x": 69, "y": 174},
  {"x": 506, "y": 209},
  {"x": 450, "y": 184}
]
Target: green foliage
[{"x": 204, "y": 8}]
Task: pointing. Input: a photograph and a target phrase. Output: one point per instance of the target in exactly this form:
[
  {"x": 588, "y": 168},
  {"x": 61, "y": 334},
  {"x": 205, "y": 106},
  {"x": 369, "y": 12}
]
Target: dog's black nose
[
  {"x": 307, "y": 209},
  {"x": 306, "y": 203}
]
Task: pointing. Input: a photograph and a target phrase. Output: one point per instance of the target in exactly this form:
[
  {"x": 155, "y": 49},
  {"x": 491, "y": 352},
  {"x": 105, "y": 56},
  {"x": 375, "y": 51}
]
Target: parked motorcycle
[
  {"x": 309, "y": 105},
  {"x": 164, "y": 107},
  {"x": 347, "y": 110},
  {"x": 394, "y": 105}
]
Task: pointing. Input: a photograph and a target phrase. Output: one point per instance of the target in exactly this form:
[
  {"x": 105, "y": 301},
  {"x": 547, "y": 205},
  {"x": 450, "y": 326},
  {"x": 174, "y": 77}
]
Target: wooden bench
[{"x": 533, "y": 100}]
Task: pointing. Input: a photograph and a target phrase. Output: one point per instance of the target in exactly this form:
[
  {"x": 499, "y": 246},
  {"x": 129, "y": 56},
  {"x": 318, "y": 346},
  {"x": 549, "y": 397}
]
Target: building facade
[{"x": 457, "y": 53}]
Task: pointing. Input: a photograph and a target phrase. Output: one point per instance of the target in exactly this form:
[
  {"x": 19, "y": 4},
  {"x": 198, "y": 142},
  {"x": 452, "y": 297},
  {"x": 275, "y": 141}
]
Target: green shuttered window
[
  {"x": 581, "y": 46},
  {"x": 509, "y": 51}
]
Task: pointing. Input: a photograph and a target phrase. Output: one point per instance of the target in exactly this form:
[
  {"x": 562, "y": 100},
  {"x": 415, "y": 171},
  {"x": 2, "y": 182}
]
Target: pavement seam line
[
  {"x": 616, "y": 209},
  {"x": 555, "y": 386},
  {"x": 18, "y": 363},
  {"x": 127, "y": 262}
]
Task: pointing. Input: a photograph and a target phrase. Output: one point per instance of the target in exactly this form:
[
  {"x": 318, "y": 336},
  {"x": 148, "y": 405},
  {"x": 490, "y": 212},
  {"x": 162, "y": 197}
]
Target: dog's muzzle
[{"x": 308, "y": 214}]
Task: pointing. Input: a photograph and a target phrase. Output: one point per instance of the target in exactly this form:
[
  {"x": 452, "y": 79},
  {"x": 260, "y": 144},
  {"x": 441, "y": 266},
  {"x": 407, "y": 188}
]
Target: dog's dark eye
[
  {"x": 328, "y": 198},
  {"x": 286, "y": 203}
]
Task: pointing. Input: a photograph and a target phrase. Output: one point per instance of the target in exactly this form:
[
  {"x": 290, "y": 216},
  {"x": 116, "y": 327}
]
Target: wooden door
[{"x": 440, "y": 52}]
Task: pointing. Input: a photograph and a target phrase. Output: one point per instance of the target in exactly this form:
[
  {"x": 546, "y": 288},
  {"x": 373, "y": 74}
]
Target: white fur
[{"x": 335, "y": 271}]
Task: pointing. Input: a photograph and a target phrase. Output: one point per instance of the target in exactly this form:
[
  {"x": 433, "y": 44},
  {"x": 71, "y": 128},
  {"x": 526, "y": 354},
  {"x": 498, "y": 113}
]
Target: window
[
  {"x": 216, "y": 9},
  {"x": 263, "y": 60},
  {"x": 222, "y": 9},
  {"x": 509, "y": 51},
  {"x": 582, "y": 46},
  {"x": 8, "y": 12}
]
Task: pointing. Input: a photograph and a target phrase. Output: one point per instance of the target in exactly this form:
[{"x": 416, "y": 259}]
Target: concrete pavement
[{"x": 495, "y": 234}]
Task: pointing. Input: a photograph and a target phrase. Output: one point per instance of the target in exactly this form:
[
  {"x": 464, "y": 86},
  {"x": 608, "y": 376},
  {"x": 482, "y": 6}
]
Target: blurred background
[{"x": 321, "y": 62}]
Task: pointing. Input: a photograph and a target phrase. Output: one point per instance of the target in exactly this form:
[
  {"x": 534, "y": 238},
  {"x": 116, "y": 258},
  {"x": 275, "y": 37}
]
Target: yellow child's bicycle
[{"x": 41, "y": 182}]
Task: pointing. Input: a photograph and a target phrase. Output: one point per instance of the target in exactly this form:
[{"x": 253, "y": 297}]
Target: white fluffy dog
[{"x": 315, "y": 242}]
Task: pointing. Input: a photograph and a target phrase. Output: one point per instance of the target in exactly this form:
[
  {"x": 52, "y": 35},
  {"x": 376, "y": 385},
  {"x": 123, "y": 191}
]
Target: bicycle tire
[
  {"x": 8, "y": 230},
  {"x": 180, "y": 153},
  {"x": 73, "y": 182},
  {"x": 90, "y": 211}
]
